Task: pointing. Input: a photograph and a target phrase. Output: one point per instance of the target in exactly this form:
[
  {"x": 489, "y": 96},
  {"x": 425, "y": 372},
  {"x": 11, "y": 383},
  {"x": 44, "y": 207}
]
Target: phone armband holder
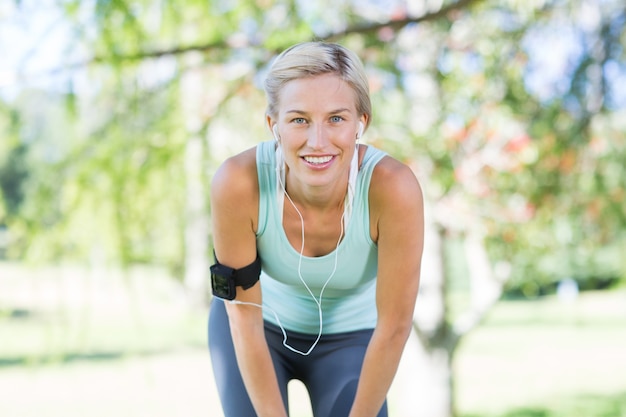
[{"x": 225, "y": 280}]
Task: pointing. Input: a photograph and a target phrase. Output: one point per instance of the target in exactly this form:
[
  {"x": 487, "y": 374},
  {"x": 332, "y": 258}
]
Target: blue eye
[
  {"x": 299, "y": 120},
  {"x": 336, "y": 119}
]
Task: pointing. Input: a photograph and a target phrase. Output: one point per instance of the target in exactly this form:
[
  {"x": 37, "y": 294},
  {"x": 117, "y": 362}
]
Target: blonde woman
[{"x": 318, "y": 243}]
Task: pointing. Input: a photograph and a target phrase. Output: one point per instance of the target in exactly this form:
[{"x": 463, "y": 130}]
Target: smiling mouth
[{"x": 317, "y": 160}]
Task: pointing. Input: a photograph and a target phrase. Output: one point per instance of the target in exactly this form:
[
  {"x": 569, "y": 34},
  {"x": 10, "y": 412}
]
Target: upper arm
[
  {"x": 234, "y": 212},
  {"x": 397, "y": 203}
]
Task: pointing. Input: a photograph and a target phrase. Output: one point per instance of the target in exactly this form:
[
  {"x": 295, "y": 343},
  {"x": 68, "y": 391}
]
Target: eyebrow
[{"x": 302, "y": 112}]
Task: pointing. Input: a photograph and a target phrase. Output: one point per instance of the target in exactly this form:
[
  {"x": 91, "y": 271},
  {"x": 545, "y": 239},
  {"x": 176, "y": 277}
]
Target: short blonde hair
[{"x": 315, "y": 58}]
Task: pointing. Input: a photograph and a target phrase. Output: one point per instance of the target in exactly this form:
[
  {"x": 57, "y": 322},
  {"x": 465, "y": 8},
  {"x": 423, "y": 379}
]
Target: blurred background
[{"x": 114, "y": 115}]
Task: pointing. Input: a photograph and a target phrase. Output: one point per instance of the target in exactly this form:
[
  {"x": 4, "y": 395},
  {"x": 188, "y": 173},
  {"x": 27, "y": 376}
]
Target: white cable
[
  {"x": 318, "y": 302},
  {"x": 280, "y": 175}
]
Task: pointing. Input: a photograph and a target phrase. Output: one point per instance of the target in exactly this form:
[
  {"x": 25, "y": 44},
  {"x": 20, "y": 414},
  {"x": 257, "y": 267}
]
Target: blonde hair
[{"x": 315, "y": 58}]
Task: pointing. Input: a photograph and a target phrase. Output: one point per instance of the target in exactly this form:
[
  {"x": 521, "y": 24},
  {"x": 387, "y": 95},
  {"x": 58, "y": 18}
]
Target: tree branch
[
  {"x": 401, "y": 23},
  {"x": 223, "y": 44}
]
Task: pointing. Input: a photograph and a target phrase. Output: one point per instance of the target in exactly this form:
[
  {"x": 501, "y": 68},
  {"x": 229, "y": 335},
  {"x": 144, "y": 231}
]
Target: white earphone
[
  {"x": 360, "y": 132},
  {"x": 275, "y": 132}
]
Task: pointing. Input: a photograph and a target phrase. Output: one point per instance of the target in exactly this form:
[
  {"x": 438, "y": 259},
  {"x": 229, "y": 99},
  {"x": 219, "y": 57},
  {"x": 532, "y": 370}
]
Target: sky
[{"x": 32, "y": 43}]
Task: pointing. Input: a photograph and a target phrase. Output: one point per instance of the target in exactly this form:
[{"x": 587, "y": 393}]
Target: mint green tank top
[{"x": 349, "y": 299}]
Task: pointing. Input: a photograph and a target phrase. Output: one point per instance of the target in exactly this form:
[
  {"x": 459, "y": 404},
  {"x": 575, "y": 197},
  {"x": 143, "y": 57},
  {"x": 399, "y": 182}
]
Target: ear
[{"x": 271, "y": 124}]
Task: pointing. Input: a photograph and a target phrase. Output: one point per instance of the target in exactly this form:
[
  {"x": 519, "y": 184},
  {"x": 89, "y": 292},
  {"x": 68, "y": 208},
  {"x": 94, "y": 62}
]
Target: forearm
[
  {"x": 379, "y": 368},
  {"x": 257, "y": 370}
]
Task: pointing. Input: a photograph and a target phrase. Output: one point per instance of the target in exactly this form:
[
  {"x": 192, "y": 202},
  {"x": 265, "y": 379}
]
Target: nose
[{"x": 317, "y": 137}]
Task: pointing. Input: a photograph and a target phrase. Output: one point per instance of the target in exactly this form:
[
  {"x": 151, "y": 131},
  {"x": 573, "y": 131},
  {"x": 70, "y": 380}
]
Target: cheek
[
  {"x": 288, "y": 149},
  {"x": 292, "y": 138}
]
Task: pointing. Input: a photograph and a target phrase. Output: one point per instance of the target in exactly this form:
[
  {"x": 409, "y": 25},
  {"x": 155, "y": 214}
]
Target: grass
[
  {"x": 79, "y": 343},
  {"x": 84, "y": 343},
  {"x": 547, "y": 358}
]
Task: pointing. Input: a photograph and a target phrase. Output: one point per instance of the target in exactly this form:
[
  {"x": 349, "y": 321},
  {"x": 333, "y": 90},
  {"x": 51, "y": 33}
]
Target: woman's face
[{"x": 317, "y": 124}]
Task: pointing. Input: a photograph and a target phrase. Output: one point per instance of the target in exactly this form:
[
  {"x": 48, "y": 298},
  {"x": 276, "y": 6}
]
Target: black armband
[{"x": 225, "y": 280}]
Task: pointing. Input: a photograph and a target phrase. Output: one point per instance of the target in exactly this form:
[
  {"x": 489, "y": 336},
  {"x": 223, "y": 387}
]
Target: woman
[{"x": 338, "y": 229}]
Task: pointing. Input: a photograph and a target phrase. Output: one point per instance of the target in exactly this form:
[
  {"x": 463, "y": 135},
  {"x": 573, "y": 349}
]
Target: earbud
[
  {"x": 360, "y": 133},
  {"x": 275, "y": 132}
]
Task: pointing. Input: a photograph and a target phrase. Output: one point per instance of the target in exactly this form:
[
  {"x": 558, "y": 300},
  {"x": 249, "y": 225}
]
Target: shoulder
[
  {"x": 236, "y": 178},
  {"x": 392, "y": 178},
  {"x": 395, "y": 191}
]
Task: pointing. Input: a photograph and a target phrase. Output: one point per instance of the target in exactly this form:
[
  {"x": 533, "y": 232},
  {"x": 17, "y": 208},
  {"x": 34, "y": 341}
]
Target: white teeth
[{"x": 317, "y": 159}]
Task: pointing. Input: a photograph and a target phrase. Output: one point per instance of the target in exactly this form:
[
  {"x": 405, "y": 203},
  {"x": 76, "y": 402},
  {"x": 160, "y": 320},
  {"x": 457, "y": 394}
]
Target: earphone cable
[{"x": 280, "y": 172}]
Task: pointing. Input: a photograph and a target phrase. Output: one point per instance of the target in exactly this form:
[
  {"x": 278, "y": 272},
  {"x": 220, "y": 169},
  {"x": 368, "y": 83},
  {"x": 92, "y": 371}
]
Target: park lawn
[
  {"x": 547, "y": 357},
  {"x": 83, "y": 344}
]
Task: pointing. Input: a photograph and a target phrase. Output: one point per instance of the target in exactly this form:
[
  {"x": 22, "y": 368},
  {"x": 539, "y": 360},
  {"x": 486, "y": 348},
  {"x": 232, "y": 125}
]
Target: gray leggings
[{"x": 330, "y": 373}]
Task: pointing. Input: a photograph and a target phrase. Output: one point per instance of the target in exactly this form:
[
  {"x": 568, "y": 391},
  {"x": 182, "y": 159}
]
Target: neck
[{"x": 317, "y": 198}]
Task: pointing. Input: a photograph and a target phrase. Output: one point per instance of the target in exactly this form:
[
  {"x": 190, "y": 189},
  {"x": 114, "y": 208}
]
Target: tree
[{"x": 456, "y": 96}]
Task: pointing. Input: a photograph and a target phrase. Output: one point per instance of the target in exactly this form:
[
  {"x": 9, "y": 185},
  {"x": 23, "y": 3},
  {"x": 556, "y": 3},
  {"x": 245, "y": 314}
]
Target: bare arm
[
  {"x": 397, "y": 212},
  {"x": 234, "y": 206}
]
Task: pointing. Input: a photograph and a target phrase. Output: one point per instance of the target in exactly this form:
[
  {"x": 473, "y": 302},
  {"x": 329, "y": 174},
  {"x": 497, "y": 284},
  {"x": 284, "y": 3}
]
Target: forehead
[{"x": 317, "y": 93}]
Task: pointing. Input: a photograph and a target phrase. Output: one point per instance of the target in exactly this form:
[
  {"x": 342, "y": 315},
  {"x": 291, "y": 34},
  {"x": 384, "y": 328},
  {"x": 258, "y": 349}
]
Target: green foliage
[
  {"x": 13, "y": 174},
  {"x": 543, "y": 174}
]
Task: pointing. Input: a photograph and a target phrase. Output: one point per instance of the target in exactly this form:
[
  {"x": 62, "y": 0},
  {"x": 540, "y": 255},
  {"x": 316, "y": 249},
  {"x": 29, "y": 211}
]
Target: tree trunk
[
  {"x": 424, "y": 384},
  {"x": 429, "y": 393},
  {"x": 196, "y": 226},
  {"x": 196, "y": 234}
]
